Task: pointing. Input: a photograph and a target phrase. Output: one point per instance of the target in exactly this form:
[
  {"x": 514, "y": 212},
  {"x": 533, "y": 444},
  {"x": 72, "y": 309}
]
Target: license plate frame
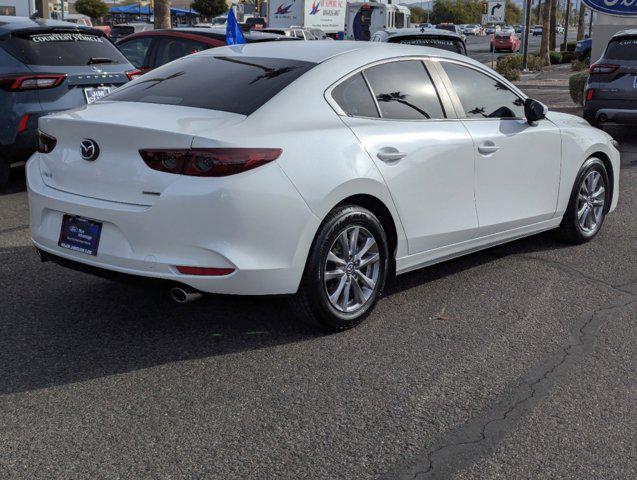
[
  {"x": 93, "y": 94},
  {"x": 80, "y": 234}
]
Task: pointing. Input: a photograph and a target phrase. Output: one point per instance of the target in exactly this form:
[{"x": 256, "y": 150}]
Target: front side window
[
  {"x": 483, "y": 96},
  {"x": 230, "y": 84},
  {"x": 353, "y": 96},
  {"x": 404, "y": 91}
]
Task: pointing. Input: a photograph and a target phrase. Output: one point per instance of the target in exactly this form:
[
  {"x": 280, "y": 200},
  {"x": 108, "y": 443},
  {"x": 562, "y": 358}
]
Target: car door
[
  {"x": 517, "y": 164},
  {"x": 424, "y": 155}
]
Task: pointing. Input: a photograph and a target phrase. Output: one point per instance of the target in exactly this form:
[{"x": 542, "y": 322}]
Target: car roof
[
  {"x": 208, "y": 32},
  {"x": 626, "y": 33},
  {"x": 10, "y": 24},
  {"x": 402, "y": 32},
  {"x": 319, "y": 51}
]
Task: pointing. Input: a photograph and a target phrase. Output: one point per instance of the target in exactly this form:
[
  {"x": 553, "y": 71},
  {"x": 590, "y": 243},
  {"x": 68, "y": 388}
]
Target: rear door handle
[
  {"x": 488, "y": 147},
  {"x": 390, "y": 154}
]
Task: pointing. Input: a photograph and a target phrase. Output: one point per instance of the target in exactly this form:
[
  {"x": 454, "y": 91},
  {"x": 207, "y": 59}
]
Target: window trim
[
  {"x": 446, "y": 103},
  {"x": 451, "y": 91}
]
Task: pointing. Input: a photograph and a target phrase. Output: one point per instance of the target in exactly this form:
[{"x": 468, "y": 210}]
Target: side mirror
[{"x": 534, "y": 111}]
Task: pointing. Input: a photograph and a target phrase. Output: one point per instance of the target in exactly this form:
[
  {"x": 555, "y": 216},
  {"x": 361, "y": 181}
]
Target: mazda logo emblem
[{"x": 89, "y": 149}]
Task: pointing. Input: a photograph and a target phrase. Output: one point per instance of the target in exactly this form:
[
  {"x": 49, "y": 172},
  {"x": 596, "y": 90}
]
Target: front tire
[
  {"x": 588, "y": 205},
  {"x": 345, "y": 272}
]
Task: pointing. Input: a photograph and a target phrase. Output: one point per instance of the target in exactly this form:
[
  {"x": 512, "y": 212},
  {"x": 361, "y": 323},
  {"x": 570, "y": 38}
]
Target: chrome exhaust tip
[{"x": 184, "y": 295}]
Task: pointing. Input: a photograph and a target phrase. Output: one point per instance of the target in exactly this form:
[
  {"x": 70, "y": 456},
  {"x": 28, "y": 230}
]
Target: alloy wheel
[
  {"x": 590, "y": 202},
  {"x": 351, "y": 270}
]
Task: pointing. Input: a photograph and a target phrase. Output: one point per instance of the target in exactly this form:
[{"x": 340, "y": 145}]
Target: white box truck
[{"x": 328, "y": 15}]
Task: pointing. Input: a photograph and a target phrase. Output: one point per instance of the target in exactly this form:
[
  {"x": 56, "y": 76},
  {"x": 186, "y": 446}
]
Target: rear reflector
[
  {"x": 211, "y": 272},
  {"x": 22, "y": 126},
  {"x": 46, "y": 143},
  {"x": 602, "y": 68},
  {"x": 31, "y": 82},
  {"x": 208, "y": 162},
  {"x": 589, "y": 94}
]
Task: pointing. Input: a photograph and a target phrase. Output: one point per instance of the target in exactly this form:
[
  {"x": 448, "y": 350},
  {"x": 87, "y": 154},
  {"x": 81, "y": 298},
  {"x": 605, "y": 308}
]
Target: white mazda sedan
[{"x": 310, "y": 168}]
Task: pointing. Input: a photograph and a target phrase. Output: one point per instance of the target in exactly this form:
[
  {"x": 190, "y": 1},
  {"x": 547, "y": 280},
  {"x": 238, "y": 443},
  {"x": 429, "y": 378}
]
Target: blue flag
[{"x": 234, "y": 35}]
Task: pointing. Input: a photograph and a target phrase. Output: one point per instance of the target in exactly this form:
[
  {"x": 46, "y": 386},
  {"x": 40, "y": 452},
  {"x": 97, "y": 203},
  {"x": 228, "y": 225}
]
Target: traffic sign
[{"x": 493, "y": 12}]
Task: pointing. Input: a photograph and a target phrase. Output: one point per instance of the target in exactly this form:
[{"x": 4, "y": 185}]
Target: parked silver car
[{"x": 611, "y": 90}]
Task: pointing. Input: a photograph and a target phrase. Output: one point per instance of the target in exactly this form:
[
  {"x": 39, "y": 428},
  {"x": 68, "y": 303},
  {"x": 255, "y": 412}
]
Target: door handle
[
  {"x": 390, "y": 154},
  {"x": 488, "y": 147}
]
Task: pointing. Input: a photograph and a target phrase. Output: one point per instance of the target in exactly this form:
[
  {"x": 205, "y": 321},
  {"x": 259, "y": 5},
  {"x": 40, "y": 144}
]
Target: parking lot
[{"x": 515, "y": 362}]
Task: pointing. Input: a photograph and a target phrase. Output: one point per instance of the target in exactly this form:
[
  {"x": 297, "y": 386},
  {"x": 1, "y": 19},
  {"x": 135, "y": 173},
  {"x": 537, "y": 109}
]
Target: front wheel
[
  {"x": 345, "y": 272},
  {"x": 589, "y": 202}
]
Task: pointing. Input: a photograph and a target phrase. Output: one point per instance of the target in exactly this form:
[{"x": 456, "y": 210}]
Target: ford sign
[{"x": 625, "y": 8}]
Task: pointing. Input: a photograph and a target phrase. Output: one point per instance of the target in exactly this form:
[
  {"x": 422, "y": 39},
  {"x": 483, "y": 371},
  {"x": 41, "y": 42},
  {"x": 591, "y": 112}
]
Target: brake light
[
  {"x": 213, "y": 272},
  {"x": 31, "y": 82},
  {"x": 602, "y": 68},
  {"x": 589, "y": 94},
  {"x": 208, "y": 162},
  {"x": 46, "y": 143},
  {"x": 133, "y": 74}
]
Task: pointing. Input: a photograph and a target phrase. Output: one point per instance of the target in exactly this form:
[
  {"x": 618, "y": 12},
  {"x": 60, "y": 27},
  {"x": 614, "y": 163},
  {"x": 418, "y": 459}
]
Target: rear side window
[
  {"x": 483, "y": 96},
  {"x": 404, "y": 91},
  {"x": 623, "y": 49},
  {"x": 136, "y": 50},
  {"x": 61, "y": 48},
  {"x": 448, "y": 44},
  {"x": 354, "y": 97},
  {"x": 170, "y": 49},
  {"x": 230, "y": 84}
]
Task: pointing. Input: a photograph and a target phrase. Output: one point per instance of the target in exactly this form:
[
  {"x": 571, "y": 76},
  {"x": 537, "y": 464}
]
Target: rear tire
[
  {"x": 588, "y": 205},
  {"x": 345, "y": 272},
  {"x": 5, "y": 171}
]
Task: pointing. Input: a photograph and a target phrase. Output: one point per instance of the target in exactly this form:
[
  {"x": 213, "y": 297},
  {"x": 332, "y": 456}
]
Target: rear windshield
[
  {"x": 622, "y": 49},
  {"x": 230, "y": 84},
  {"x": 61, "y": 48},
  {"x": 449, "y": 44}
]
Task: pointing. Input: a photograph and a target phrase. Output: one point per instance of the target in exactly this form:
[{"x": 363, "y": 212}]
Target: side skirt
[{"x": 441, "y": 254}]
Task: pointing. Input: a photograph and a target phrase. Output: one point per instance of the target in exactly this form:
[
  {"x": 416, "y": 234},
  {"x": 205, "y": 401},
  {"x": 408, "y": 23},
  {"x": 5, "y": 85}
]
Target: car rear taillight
[
  {"x": 589, "y": 94},
  {"x": 209, "y": 162},
  {"x": 30, "y": 82},
  {"x": 46, "y": 143},
  {"x": 602, "y": 68},
  {"x": 212, "y": 272},
  {"x": 133, "y": 74}
]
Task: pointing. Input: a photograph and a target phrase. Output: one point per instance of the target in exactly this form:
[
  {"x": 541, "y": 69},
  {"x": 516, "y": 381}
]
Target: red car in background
[
  {"x": 505, "y": 41},
  {"x": 154, "y": 48}
]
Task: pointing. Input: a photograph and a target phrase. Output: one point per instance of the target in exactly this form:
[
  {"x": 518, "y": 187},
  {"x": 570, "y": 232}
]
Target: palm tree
[
  {"x": 161, "y": 10},
  {"x": 546, "y": 32},
  {"x": 553, "y": 20},
  {"x": 580, "y": 21}
]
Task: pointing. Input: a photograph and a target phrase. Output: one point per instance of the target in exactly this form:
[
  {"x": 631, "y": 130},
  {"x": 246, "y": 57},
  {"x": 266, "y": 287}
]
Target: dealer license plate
[
  {"x": 96, "y": 93},
  {"x": 80, "y": 234}
]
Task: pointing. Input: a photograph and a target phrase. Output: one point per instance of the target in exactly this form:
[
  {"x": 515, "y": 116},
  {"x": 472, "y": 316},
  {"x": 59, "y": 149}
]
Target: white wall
[
  {"x": 23, "y": 8},
  {"x": 604, "y": 28}
]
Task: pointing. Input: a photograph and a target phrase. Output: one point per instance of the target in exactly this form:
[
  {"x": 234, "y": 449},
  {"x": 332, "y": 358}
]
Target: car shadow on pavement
[
  {"x": 59, "y": 326},
  {"x": 17, "y": 181}
]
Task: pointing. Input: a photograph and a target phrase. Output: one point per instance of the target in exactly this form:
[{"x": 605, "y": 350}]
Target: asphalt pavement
[{"x": 516, "y": 362}]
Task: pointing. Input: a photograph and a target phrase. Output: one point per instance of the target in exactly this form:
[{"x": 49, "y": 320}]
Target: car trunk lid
[{"x": 119, "y": 130}]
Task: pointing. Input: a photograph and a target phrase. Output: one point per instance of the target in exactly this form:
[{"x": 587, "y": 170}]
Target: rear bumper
[
  {"x": 597, "y": 112},
  {"x": 258, "y": 225}
]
